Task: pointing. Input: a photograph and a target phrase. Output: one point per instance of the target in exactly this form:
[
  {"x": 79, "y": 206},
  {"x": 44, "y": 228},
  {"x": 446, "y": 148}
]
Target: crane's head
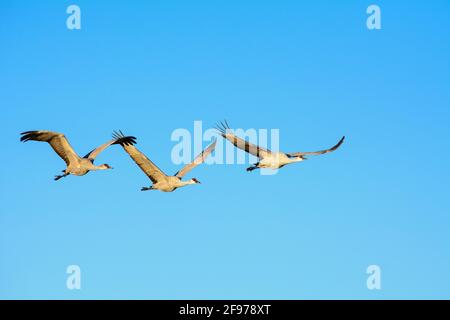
[
  {"x": 105, "y": 166},
  {"x": 194, "y": 181}
]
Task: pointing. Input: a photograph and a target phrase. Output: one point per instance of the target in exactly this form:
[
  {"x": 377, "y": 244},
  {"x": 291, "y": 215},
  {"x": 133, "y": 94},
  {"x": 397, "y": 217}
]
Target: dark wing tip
[
  {"x": 222, "y": 127},
  {"x": 25, "y": 132},
  {"x": 123, "y": 140},
  {"x": 338, "y": 144},
  {"x": 28, "y": 135}
]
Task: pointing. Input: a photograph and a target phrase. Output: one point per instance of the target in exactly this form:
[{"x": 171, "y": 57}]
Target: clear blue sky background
[{"x": 311, "y": 69}]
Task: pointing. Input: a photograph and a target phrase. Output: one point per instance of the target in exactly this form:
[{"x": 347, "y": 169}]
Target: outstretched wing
[
  {"x": 94, "y": 153},
  {"x": 225, "y": 132},
  {"x": 150, "y": 169},
  {"x": 298, "y": 154},
  {"x": 56, "y": 140},
  {"x": 198, "y": 160}
]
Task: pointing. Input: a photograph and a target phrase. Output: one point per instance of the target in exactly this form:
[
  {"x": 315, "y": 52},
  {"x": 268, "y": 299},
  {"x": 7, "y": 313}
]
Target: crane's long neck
[
  {"x": 298, "y": 159},
  {"x": 93, "y": 167},
  {"x": 185, "y": 183}
]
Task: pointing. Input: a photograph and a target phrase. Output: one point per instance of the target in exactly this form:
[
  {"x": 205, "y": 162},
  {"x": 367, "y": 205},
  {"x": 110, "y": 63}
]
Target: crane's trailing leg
[
  {"x": 146, "y": 188},
  {"x": 61, "y": 176},
  {"x": 254, "y": 167}
]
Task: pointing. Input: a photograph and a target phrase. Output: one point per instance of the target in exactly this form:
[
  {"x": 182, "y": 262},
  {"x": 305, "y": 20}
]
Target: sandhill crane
[
  {"x": 160, "y": 180},
  {"x": 75, "y": 164},
  {"x": 267, "y": 158}
]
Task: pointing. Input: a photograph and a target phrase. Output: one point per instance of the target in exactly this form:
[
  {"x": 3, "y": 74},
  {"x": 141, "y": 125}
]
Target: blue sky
[{"x": 311, "y": 69}]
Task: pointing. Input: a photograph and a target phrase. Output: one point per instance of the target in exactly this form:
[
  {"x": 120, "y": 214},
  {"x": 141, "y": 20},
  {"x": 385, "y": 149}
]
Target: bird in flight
[
  {"x": 160, "y": 180},
  {"x": 75, "y": 164},
  {"x": 267, "y": 158}
]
